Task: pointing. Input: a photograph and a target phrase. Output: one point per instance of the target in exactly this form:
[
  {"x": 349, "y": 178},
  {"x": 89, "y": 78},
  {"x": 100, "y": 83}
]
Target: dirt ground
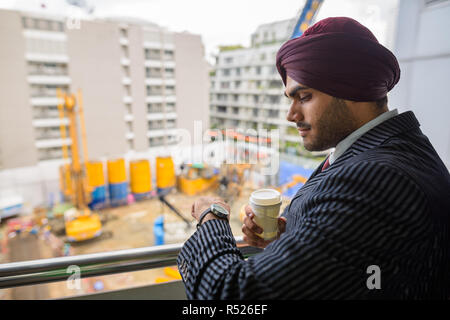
[{"x": 130, "y": 226}]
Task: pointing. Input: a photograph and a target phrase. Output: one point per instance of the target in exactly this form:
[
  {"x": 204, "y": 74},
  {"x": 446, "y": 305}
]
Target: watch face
[{"x": 219, "y": 211}]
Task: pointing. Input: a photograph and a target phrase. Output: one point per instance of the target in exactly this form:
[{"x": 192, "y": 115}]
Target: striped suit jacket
[{"x": 385, "y": 203}]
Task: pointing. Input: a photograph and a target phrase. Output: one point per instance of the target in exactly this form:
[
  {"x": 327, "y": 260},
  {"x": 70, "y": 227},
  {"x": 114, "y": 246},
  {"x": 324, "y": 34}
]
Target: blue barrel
[
  {"x": 98, "y": 198},
  {"x": 141, "y": 196},
  {"x": 118, "y": 193}
]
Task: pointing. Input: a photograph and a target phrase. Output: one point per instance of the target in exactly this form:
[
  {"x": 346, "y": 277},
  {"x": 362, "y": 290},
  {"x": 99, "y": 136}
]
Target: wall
[
  {"x": 94, "y": 66},
  {"x": 192, "y": 82},
  {"x": 423, "y": 50},
  {"x": 17, "y": 147}
]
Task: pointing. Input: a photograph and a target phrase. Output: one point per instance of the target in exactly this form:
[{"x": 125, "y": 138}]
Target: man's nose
[{"x": 294, "y": 114}]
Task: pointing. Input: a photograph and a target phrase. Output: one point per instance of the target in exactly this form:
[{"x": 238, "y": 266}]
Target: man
[{"x": 373, "y": 219}]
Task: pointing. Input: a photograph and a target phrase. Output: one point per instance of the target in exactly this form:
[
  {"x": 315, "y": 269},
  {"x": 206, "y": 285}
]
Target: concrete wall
[
  {"x": 192, "y": 82},
  {"x": 423, "y": 50},
  {"x": 94, "y": 66},
  {"x": 17, "y": 147}
]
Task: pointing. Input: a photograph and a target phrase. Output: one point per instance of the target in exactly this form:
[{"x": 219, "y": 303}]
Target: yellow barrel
[
  {"x": 96, "y": 177},
  {"x": 165, "y": 172},
  {"x": 140, "y": 176},
  {"x": 116, "y": 171}
]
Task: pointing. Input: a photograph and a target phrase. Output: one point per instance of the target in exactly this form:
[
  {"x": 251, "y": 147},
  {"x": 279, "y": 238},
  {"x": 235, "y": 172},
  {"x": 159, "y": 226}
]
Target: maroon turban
[{"x": 342, "y": 58}]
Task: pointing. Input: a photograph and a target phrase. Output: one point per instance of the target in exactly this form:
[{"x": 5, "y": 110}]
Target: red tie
[{"x": 326, "y": 164}]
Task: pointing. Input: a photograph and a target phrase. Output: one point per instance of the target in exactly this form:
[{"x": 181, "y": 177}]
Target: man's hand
[
  {"x": 203, "y": 203},
  {"x": 250, "y": 229}
]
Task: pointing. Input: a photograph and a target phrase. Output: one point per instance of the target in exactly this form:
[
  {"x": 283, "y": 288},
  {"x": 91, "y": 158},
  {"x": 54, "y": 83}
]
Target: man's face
[{"x": 322, "y": 120}]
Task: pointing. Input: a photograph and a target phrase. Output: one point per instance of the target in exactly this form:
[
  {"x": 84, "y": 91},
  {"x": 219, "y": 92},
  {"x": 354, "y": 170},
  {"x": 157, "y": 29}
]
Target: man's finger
[
  {"x": 248, "y": 211},
  {"x": 252, "y": 225},
  {"x": 254, "y": 241}
]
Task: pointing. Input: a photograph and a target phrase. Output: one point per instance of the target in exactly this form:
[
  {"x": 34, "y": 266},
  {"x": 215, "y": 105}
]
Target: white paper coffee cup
[{"x": 266, "y": 204}]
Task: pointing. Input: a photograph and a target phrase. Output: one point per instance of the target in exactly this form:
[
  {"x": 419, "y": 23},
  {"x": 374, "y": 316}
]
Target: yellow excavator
[
  {"x": 80, "y": 222},
  {"x": 197, "y": 178}
]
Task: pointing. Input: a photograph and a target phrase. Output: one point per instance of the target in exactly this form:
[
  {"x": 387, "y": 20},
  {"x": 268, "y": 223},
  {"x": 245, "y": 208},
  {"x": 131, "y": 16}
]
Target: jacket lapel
[{"x": 371, "y": 139}]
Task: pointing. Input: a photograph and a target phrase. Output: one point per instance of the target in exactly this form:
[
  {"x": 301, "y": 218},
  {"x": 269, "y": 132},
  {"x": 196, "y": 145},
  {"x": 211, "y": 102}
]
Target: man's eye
[{"x": 305, "y": 98}]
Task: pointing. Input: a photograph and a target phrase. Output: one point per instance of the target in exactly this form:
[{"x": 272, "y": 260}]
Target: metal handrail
[{"x": 96, "y": 264}]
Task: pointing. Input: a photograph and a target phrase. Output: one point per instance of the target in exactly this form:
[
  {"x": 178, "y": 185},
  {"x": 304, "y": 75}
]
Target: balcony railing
[{"x": 98, "y": 264}]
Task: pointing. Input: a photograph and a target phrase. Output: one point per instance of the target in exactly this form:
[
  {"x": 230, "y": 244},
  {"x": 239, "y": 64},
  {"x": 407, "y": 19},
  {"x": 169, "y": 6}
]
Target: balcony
[
  {"x": 155, "y": 109},
  {"x": 155, "y": 127},
  {"x": 45, "y": 114}
]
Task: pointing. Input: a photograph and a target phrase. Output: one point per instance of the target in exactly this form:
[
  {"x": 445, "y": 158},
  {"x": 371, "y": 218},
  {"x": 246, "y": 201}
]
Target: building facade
[{"x": 127, "y": 70}]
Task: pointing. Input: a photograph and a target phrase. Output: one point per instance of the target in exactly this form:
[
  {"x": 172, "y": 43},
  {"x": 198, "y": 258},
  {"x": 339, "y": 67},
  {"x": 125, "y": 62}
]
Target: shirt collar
[{"x": 342, "y": 146}]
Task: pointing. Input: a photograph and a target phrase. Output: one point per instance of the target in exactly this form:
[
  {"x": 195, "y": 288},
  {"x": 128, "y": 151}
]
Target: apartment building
[
  {"x": 246, "y": 89},
  {"x": 136, "y": 78}
]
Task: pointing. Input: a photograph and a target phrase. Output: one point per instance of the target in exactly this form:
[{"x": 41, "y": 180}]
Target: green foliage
[{"x": 230, "y": 48}]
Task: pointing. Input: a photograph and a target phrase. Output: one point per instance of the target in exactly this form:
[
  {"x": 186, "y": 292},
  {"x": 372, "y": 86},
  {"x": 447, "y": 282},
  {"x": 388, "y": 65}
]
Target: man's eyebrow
[{"x": 294, "y": 91}]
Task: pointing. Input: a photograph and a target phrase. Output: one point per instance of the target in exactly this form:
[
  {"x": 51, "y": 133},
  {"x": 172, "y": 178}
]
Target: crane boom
[{"x": 306, "y": 17}]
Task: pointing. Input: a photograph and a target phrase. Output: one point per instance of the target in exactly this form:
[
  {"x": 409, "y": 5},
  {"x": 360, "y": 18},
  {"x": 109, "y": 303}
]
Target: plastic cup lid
[{"x": 265, "y": 197}]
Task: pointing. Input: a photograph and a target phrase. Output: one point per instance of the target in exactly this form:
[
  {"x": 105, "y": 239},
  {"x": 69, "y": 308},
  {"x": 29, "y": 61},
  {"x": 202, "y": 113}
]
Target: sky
[{"x": 226, "y": 22}]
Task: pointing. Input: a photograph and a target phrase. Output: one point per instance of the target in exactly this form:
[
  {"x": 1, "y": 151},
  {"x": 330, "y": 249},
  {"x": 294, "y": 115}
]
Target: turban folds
[{"x": 342, "y": 58}]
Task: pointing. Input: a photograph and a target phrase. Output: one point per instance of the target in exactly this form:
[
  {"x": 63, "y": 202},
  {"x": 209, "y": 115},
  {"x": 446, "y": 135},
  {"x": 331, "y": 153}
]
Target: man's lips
[{"x": 303, "y": 131}]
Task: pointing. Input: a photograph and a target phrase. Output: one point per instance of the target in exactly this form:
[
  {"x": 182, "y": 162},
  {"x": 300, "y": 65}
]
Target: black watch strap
[{"x": 202, "y": 216}]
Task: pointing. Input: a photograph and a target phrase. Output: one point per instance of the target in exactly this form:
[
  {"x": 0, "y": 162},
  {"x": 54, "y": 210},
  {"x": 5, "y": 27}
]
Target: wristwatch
[{"x": 217, "y": 210}]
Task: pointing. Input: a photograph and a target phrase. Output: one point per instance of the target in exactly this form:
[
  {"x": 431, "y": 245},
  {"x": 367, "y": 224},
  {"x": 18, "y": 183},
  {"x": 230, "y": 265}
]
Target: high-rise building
[
  {"x": 246, "y": 89},
  {"x": 136, "y": 78}
]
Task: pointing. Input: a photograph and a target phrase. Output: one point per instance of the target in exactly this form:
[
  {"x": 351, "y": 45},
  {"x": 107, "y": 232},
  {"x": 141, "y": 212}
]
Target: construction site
[{"x": 118, "y": 205}]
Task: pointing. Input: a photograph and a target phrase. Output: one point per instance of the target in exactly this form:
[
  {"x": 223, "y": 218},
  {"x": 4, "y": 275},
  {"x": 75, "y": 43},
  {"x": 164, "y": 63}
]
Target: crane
[
  {"x": 306, "y": 17},
  {"x": 80, "y": 223}
]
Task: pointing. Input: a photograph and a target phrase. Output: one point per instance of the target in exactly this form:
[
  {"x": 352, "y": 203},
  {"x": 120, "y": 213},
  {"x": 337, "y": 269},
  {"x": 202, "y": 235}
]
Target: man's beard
[{"x": 334, "y": 125}]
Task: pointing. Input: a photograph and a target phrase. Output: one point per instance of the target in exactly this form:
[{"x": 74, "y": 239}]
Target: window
[
  {"x": 170, "y": 90},
  {"x": 128, "y": 108},
  {"x": 154, "y": 90},
  {"x": 273, "y": 113},
  {"x": 24, "y": 22},
  {"x": 169, "y": 72},
  {"x": 130, "y": 144},
  {"x": 168, "y": 55},
  {"x": 127, "y": 90},
  {"x": 35, "y": 23},
  {"x": 222, "y": 109},
  {"x": 126, "y": 71},
  {"x": 125, "y": 51}
]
